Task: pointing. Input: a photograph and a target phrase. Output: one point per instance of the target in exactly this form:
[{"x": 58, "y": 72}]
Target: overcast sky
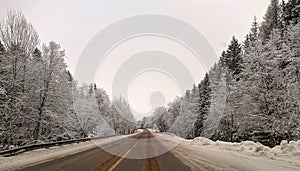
[{"x": 72, "y": 23}]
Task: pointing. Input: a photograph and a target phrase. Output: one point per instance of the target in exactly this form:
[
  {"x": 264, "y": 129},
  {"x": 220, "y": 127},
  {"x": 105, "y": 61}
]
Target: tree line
[
  {"x": 253, "y": 88},
  {"x": 39, "y": 99}
]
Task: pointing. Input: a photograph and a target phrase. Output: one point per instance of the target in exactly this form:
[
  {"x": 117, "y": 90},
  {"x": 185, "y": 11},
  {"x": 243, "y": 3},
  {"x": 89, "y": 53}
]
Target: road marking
[{"x": 121, "y": 158}]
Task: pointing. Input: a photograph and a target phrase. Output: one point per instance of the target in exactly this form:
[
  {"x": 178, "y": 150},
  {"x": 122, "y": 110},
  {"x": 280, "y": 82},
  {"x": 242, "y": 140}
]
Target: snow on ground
[
  {"x": 46, "y": 154},
  {"x": 284, "y": 151},
  {"x": 205, "y": 154},
  {"x": 202, "y": 153}
]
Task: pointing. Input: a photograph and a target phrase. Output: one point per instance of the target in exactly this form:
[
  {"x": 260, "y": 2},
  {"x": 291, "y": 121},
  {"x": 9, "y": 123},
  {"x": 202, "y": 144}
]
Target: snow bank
[
  {"x": 286, "y": 150},
  {"x": 202, "y": 141}
]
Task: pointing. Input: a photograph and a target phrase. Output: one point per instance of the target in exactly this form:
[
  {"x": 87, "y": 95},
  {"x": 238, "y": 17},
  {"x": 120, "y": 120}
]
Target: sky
[{"x": 73, "y": 23}]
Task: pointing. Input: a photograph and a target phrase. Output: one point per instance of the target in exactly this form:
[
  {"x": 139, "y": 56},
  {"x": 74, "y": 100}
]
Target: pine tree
[
  {"x": 252, "y": 36},
  {"x": 292, "y": 80},
  {"x": 232, "y": 58},
  {"x": 291, "y": 12},
  {"x": 271, "y": 20},
  {"x": 195, "y": 100},
  {"x": 232, "y": 64},
  {"x": 204, "y": 104},
  {"x": 217, "y": 101},
  {"x": 254, "y": 30}
]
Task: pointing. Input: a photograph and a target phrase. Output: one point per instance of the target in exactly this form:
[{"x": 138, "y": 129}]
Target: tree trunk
[{"x": 37, "y": 130}]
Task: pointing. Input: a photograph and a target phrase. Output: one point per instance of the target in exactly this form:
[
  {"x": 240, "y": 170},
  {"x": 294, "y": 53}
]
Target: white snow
[
  {"x": 246, "y": 155},
  {"x": 139, "y": 130},
  {"x": 204, "y": 154},
  {"x": 284, "y": 151}
]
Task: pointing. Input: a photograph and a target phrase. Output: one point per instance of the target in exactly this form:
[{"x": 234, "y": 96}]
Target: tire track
[
  {"x": 113, "y": 161},
  {"x": 151, "y": 164}
]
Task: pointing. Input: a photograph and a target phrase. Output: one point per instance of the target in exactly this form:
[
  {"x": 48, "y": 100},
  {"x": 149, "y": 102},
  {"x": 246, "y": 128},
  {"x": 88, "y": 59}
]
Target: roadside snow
[
  {"x": 284, "y": 151},
  {"x": 34, "y": 157},
  {"x": 205, "y": 154}
]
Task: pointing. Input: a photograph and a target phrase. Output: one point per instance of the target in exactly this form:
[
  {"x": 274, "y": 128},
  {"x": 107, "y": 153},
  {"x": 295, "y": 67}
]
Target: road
[
  {"x": 137, "y": 153},
  {"x": 156, "y": 151}
]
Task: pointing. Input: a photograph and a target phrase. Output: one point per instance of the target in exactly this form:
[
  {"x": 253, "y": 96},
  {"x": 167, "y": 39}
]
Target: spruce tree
[
  {"x": 204, "y": 104},
  {"x": 254, "y": 30},
  {"x": 271, "y": 20},
  {"x": 232, "y": 58},
  {"x": 291, "y": 12},
  {"x": 195, "y": 100}
]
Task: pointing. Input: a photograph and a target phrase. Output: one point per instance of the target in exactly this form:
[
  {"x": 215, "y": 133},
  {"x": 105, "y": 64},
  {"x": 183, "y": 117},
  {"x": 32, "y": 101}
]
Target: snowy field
[{"x": 199, "y": 154}]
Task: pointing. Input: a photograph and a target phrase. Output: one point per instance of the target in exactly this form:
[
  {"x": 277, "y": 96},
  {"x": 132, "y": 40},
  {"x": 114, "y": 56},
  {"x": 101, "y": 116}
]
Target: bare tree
[
  {"x": 20, "y": 39},
  {"x": 17, "y": 32}
]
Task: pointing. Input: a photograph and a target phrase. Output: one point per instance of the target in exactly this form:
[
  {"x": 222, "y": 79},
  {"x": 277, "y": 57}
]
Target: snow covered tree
[
  {"x": 174, "y": 106},
  {"x": 232, "y": 58},
  {"x": 291, "y": 12},
  {"x": 88, "y": 113},
  {"x": 104, "y": 103},
  {"x": 204, "y": 104},
  {"x": 289, "y": 62},
  {"x": 184, "y": 123},
  {"x": 19, "y": 40},
  {"x": 122, "y": 117},
  {"x": 252, "y": 36},
  {"x": 117, "y": 113},
  {"x": 217, "y": 101},
  {"x": 124, "y": 109},
  {"x": 271, "y": 20},
  {"x": 18, "y": 33},
  {"x": 232, "y": 66},
  {"x": 51, "y": 98},
  {"x": 161, "y": 122}
]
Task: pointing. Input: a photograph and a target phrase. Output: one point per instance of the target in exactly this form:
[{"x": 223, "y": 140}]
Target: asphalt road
[{"x": 121, "y": 155}]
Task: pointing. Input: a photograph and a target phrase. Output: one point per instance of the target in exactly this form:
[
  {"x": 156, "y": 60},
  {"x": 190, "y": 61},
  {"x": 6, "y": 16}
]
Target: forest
[
  {"x": 251, "y": 93},
  {"x": 40, "y": 101}
]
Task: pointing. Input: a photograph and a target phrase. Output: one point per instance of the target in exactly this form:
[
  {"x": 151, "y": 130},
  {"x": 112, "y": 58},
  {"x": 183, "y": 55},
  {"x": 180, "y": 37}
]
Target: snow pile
[
  {"x": 249, "y": 147},
  {"x": 287, "y": 150},
  {"x": 202, "y": 141}
]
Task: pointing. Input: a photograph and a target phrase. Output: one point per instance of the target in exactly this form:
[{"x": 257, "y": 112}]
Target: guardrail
[{"x": 22, "y": 149}]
